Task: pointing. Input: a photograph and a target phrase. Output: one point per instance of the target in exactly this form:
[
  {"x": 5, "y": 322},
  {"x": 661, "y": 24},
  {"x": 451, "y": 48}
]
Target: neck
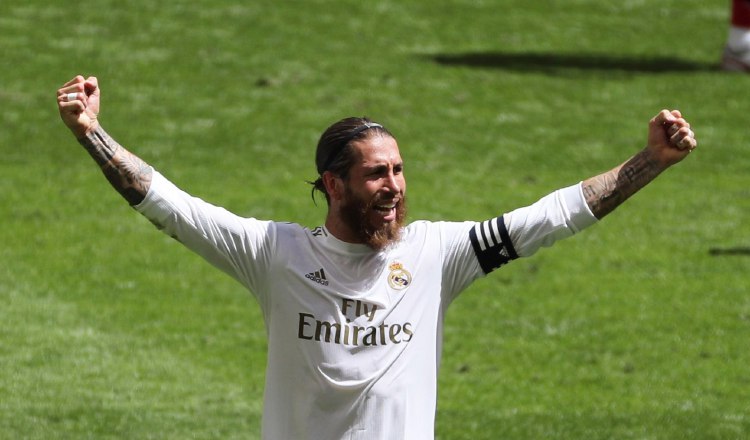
[{"x": 339, "y": 229}]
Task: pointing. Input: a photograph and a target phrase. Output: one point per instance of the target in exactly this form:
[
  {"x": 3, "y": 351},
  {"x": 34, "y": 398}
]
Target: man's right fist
[{"x": 78, "y": 103}]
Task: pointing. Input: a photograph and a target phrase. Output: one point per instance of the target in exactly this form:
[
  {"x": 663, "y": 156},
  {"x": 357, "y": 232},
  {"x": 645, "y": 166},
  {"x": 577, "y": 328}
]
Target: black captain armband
[{"x": 492, "y": 244}]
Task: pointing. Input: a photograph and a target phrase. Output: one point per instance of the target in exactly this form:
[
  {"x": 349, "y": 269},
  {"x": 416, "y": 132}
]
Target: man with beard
[
  {"x": 372, "y": 211},
  {"x": 354, "y": 308}
]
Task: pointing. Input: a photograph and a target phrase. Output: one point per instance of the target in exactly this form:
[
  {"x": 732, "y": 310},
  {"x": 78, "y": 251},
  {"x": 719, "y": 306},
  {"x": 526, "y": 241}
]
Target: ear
[{"x": 334, "y": 185}]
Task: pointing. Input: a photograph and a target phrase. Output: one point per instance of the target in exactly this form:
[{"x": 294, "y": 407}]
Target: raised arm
[
  {"x": 670, "y": 140},
  {"x": 78, "y": 103}
]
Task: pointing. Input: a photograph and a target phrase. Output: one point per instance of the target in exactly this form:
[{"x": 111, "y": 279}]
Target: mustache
[
  {"x": 380, "y": 200},
  {"x": 356, "y": 213}
]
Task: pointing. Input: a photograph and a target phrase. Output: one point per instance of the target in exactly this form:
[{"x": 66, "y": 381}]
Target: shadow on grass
[
  {"x": 552, "y": 63},
  {"x": 730, "y": 251}
]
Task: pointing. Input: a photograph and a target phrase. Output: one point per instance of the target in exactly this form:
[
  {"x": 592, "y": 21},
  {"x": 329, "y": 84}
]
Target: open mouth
[{"x": 387, "y": 209}]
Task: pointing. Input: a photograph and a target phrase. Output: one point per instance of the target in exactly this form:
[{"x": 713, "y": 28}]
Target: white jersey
[{"x": 354, "y": 335}]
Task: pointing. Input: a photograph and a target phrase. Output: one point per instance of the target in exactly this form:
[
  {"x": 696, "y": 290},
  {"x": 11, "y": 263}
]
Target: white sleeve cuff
[
  {"x": 552, "y": 218},
  {"x": 579, "y": 214}
]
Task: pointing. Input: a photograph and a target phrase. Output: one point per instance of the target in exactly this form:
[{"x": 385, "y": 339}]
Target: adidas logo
[{"x": 319, "y": 276}]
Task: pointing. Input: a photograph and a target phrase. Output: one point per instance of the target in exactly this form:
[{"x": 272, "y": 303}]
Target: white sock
[{"x": 739, "y": 39}]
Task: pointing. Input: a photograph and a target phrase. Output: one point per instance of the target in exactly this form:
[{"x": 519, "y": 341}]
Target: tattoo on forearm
[
  {"x": 127, "y": 173},
  {"x": 607, "y": 191}
]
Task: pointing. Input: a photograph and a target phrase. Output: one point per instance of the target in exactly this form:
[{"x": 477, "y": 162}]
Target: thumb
[
  {"x": 91, "y": 85},
  {"x": 665, "y": 117}
]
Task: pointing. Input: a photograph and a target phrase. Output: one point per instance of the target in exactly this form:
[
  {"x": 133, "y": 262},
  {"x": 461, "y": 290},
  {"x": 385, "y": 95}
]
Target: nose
[{"x": 394, "y": 183}]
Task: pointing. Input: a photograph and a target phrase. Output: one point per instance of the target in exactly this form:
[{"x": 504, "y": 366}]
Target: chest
[{"x": 348, "y": 318}]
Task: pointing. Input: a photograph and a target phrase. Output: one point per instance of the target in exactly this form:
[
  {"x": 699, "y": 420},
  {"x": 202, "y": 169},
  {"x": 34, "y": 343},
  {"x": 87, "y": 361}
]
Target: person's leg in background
[{"x": 737, "y": 51}]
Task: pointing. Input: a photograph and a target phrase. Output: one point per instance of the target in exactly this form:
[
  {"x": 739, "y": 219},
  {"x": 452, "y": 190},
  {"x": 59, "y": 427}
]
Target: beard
[{"x": 356, "y": 214}]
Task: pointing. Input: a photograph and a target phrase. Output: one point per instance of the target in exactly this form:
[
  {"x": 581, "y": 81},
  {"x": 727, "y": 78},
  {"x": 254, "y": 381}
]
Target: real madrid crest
[{"x": 399, "y": 278}]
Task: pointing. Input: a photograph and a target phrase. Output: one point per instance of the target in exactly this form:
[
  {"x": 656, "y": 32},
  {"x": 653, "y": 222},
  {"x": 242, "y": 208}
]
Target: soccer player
[
  {"x": 354, "y": 308},
  {"x": 736, "y": 55}
]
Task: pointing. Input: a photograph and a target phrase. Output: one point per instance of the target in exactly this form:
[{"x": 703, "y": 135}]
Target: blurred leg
[
  {"x": 741, "y": 13},
  {"x": 736, "y": 55}
]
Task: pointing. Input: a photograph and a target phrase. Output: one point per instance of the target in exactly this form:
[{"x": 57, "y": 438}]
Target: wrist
[
  {"x": 656, "y": 160},
  {"x": 84, "y": 132}
]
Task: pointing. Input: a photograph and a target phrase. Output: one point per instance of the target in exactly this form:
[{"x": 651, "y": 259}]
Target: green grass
[{"x": 632, "y": 330}]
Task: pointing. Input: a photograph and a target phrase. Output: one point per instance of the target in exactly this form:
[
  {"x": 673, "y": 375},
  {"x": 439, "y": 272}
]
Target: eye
[{"x": 379, "y": 171}]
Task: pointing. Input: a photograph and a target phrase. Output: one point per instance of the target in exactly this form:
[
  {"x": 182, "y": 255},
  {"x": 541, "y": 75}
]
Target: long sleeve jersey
[{"x": 355, "y": 335}]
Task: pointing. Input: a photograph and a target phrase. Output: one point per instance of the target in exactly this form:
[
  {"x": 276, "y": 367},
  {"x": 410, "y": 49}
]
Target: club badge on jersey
[{"x": 399, "y": 278}]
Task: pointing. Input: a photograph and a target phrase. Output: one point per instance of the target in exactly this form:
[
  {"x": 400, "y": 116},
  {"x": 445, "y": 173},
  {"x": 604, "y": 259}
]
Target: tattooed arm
[
  {"x": 78, "y": 103},
  {"x": 607, "y": 191},
  {"x": 127, "y": 173},
  {"x": 670, "y": 140}
]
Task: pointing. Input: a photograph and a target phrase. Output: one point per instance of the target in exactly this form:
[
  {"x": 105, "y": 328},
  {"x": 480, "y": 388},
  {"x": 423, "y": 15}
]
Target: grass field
[{"x": 637, "y": 329}]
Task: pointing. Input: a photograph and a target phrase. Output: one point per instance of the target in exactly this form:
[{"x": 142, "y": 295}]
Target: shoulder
[
  {"x": 439, "y": 226},
  {"x": 296, "y": 235},
  {"x": 437, "y": 230},
  {"x": 289, "y": 229}
]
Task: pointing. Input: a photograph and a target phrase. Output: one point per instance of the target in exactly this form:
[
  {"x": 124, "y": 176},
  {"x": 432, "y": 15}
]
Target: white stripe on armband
[{"x": 492, "y": 244}]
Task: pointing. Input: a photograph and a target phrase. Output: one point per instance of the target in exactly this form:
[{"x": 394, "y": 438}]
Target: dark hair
[{"x": 335, "y": 153}]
